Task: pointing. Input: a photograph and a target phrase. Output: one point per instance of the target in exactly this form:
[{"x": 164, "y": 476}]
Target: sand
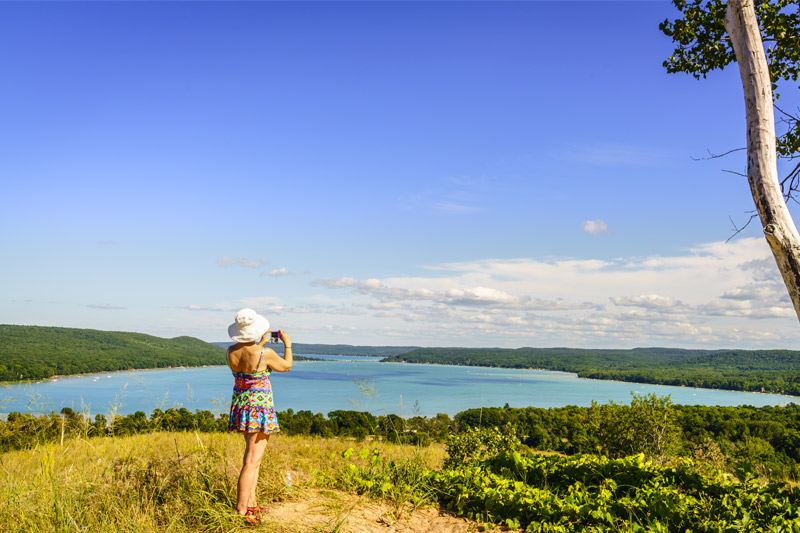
[{"x": 324, "y": 510}]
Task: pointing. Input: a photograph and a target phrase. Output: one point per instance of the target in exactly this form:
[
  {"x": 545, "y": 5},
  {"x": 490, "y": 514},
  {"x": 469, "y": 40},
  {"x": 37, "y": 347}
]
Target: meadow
[
  {"x": 186, "y": 481},
  {"x": 166, "y": 481}
]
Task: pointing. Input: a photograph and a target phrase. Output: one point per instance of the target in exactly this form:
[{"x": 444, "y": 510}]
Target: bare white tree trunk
[{"x": 762, "y": 170}]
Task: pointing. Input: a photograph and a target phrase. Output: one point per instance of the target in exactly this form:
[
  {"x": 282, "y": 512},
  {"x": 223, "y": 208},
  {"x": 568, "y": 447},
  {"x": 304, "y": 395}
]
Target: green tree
[
  {"x": 703, "y": 47},
  {"x": 473, "y": 445},
  {"x": 648, "y": 425},
  {"x": 352, "y": 422}
]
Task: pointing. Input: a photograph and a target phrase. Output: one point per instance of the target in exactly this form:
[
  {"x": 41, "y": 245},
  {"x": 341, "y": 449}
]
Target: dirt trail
[{"x": 322, "y": 510}]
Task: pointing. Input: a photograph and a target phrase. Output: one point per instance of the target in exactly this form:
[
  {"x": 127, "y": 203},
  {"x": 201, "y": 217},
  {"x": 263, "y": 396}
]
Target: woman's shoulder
[
  {"x": 244, "y": 349},
  {"x": 241, "y": 354},
  {"x": 268, "y": 350}
]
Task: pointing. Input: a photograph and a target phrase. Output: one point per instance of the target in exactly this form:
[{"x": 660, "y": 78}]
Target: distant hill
[
  {"x": 746, "y": 370},
  {"x": 563, "y": 359},
  {"x": 337, "y": 349},
  {"x": 36, "y": 352}
]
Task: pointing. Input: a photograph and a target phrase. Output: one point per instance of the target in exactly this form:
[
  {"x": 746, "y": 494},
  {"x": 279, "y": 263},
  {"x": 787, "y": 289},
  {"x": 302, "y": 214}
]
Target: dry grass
[{"x": 166, "y": 481}]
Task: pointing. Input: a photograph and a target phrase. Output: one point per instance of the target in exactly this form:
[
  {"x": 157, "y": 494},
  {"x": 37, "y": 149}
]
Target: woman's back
[{"x": 247, "y": 358}]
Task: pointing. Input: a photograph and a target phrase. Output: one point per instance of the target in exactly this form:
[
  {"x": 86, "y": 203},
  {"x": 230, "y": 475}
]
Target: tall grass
[{"x": 179, "y": 481}]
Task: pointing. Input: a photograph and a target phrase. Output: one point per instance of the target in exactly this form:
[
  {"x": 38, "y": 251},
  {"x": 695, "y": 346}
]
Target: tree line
[
  {"x": 774, "y": 371},
  {"x": 37, "y": 352},
  {"x": 760, "y": 440}
]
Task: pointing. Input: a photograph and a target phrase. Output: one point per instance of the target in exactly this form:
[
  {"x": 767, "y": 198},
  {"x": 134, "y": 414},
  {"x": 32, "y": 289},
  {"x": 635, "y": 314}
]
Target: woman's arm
[
  {"x": 265, "y": 338},
  {"x": 276, "y": 362}
]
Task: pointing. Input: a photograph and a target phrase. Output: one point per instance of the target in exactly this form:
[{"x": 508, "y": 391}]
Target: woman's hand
[
  {"x": 287, "y": 340},
  {"x": 277, "y": 363},
  {"x": 265, "y": 338}
]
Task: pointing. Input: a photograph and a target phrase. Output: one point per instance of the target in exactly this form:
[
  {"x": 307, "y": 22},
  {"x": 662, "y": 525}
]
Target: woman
[{"x": 252, "y": 407}]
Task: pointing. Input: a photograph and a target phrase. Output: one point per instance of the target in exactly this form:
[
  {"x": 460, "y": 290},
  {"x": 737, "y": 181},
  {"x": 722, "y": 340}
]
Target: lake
[{"x": 360, "y": 383}]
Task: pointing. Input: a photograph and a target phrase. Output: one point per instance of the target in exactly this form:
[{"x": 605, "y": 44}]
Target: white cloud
[
  {"x": 471, "y": 297},
  {"x": 737, "y": 308},
  {"x": 753, "y": 291},
  {"x": 105, "y": 306},
  {"x": 595, "y": 227},
  {"x": 280, "y": 272},
  {"x": 193, "y": 307},
  {"x": 650, "y": 301},
  {"x": 706, "y": 296},
  {"x": 226, "y": 262}
]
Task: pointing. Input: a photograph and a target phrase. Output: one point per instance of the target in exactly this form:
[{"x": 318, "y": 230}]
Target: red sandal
[{"x": 250, "y": 517}]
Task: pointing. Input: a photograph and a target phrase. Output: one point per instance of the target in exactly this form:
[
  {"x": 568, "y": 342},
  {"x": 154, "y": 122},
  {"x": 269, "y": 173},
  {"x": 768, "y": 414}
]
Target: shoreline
[
  {"x": 782, "y": 394},
  {"x": 6, "y": 384},
  {"x": 696, "y": 388},
  {"x": 88, "y": 374}
]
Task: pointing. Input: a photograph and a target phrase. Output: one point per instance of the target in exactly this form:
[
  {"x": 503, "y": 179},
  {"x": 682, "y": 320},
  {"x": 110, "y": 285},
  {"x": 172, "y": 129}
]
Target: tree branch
[
  {"x": 737, "y": 231},
  {"x": 716, "y": 156},
  {"x": 734, "y": 172},
  {"x": 792, "y": 118},
  {"x": 794, "y": 183}
]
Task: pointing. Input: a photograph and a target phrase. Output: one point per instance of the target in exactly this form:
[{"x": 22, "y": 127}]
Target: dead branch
[
  {"x": 737, "y": 231},
  {"x": 734, "y": 172},
  {"x": 712, "y": 155}
]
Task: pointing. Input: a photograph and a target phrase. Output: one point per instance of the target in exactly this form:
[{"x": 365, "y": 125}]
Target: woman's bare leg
[
  {"x": 253, "y": 501},
  {"x": 255, "y": 445}
]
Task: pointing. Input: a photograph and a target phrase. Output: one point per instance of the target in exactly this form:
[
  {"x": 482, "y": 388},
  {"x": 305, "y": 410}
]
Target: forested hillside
[
  {"x": 346, "y": 349},
  {"x": 337, "y": 349},
  {"x": 561, "y": 359},
  {"x": 36, "y": 352},
  {"x": 775, "y": 371}
]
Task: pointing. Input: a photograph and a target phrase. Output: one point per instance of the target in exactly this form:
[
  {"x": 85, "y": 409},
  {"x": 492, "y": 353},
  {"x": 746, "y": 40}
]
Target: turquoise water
[{"x": 350, "y": 383}]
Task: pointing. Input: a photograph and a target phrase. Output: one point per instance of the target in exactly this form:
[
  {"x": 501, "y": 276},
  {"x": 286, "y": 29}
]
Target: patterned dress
[{"x": 252, "y": 406}]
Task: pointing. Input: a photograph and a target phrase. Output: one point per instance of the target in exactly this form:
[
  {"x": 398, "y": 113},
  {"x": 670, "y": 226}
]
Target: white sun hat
[{"x": 249, "y": 326}]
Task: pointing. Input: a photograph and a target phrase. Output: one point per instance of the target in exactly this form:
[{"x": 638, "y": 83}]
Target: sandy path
[{"x": 323, "y": 510}]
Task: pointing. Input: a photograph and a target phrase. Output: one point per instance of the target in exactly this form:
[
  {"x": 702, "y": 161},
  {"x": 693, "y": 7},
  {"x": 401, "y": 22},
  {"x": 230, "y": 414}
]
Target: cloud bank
[{"x": 712, "y": 295}]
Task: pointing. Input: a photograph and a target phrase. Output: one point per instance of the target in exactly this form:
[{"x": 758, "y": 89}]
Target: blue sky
[{"x": 427, "y": 173}]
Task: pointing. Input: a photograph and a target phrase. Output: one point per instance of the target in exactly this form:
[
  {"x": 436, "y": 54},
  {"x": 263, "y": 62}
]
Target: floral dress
[{"x": 252, "y": 406}]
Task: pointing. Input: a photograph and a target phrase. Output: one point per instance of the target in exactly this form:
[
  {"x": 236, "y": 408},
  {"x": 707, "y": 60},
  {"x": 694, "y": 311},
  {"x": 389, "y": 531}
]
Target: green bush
[{"x": 473, "y": 445}]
